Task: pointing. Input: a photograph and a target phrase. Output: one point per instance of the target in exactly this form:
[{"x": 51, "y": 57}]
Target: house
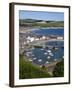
[
  {"x": 43, "y": 37},
  {"x": 60, "y": 38},
  {"x": 37, "y": 39},
  {"x": 53, "y": 37},
  {"x": 30, "y": 38}
]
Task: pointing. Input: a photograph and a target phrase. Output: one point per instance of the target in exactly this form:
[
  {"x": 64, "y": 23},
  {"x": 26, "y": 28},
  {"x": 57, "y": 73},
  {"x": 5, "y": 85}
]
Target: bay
[{"x": 49, "y": 32}]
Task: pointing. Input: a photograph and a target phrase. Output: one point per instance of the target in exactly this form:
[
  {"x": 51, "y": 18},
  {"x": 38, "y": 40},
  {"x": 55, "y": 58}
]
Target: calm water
[
  {"x": 42, "y": 56},
  {"x": 49, "y": 32}
]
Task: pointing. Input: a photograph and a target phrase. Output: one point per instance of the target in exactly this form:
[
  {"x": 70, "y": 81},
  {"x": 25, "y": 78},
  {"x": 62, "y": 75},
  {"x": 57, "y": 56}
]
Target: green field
[{"x": 40, "y": 23}]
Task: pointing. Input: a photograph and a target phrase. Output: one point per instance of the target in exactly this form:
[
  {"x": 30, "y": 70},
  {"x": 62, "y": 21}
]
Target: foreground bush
[
  {"x": 28, "y": 70},
  {"x": 59, "y": 69}
]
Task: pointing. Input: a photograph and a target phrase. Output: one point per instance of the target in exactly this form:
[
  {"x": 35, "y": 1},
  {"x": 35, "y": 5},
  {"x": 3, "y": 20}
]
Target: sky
[{"x": 41, "y": 15}]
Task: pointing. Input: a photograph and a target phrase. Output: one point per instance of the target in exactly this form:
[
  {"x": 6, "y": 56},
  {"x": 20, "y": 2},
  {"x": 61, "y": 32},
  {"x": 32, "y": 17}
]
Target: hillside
[
  {"x": 40, "y": 23},
  {"x": 28, "y": 70}
]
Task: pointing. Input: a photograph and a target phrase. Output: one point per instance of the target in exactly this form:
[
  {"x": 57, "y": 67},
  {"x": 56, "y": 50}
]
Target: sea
[{"x": 55, "y": 31}]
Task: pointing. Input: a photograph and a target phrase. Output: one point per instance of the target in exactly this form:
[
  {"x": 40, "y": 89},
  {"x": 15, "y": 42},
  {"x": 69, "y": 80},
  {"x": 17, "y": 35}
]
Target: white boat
[
  {"x": 42, "y": 49},
  {"x": 45, "y": 53},
  {"x": 48, "y": 57},
  {"x": 51, "y": 54},
  {"x": 55, "y": 59},
  {"x": 47, "y": 62},
  {"x": 56, "y": 48},
  {"x": 49, "y": 51},
  {"x": 34, "y": 58},
  {"x": 40, "y": 60}
]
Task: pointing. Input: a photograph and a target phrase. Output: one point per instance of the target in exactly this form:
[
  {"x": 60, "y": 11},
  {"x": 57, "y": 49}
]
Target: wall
[{"x": 4, "y": 44}]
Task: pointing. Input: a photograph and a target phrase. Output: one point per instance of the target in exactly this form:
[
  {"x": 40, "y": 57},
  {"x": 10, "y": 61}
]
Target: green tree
[
  {"x": 28, "y": 70},
  {"x": 59, "y": 69}
]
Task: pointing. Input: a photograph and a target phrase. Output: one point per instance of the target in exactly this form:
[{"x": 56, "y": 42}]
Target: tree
[{"x": 59, "y": 69}]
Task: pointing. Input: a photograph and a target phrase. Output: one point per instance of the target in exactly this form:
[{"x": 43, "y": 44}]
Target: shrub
[
  {"x": 59, "y": 69},
  {"x": 29, "y": 70}
]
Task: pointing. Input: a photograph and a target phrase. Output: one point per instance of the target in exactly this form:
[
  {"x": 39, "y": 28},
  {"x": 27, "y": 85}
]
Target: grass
[
  {"x": 27, "y": 70},
  {"x": 34, "y": 23},
  {"x": 54, "y": 24}
]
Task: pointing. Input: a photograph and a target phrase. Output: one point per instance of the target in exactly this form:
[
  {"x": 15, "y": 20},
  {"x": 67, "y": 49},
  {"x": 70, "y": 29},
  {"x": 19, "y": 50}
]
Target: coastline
[
  {"x": 23, "y": 29},
  {"x": 50, "y": 67}
]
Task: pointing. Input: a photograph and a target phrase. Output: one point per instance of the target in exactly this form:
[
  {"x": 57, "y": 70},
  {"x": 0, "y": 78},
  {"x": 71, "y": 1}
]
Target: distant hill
[
  {"x": 29, "y": 20},
  {"x": 40, "y": 23}
]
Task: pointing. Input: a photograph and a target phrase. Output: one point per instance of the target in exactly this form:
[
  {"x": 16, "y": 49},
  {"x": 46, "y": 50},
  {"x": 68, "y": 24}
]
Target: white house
[
  {"x": 43, "y": 37},
  {"x": 36, "y": 39},
  {"x": 60, "y": 38},
  {"x": 30, "y": 38},
  {"x": 28, "y": 41}
]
